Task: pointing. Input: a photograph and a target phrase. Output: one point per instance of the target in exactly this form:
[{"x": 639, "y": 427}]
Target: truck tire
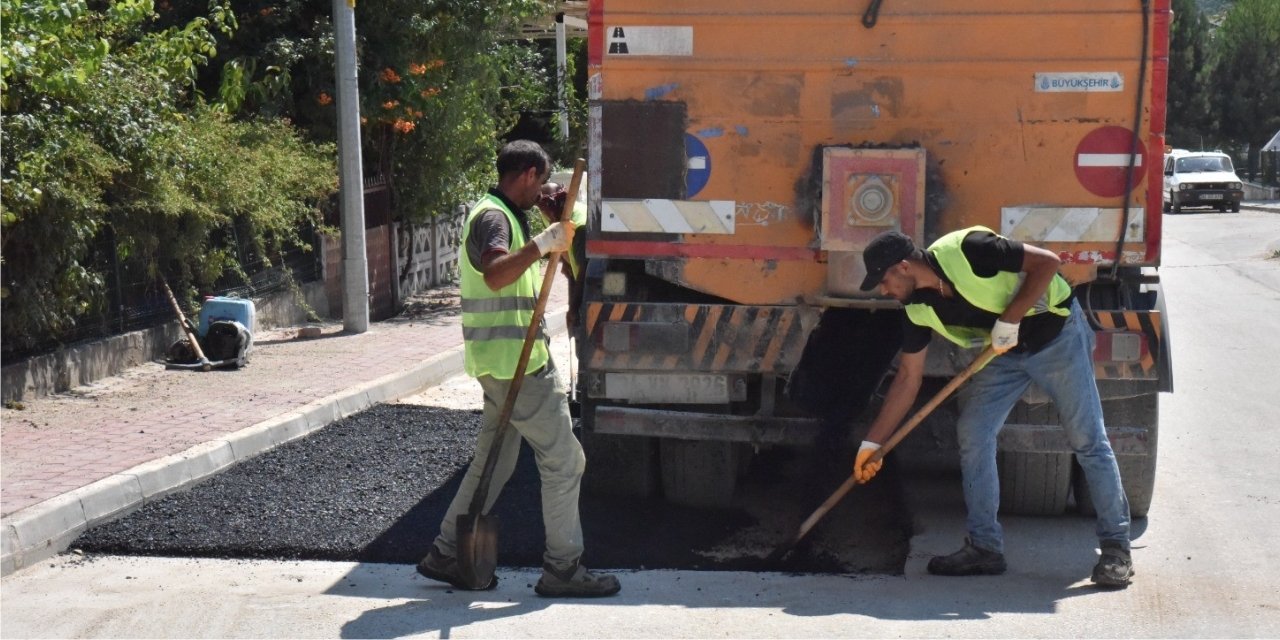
[
  {"x": 1137, "y": 472},
  {"x": 1235, "y": 208},
  {"x": 620, "y": 465},
  {"x": 1175, "y": 206},
  {"x": 1034, "y": 484},
  {"x": 699, "y": 473}
]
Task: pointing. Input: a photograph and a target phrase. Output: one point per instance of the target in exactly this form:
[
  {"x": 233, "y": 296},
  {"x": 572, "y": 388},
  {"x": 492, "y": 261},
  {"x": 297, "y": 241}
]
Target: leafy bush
[
  {"x": 103, "y": 142},
  {"x": 440, "y": 81},
  {"x": 166, "y": 136}
]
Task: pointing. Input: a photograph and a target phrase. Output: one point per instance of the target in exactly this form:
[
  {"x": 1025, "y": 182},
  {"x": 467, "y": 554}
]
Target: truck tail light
[{"x": 1120, "y": 346}]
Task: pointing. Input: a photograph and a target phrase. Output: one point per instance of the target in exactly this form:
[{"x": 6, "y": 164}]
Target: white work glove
[
  {"x": 1004, "y": 336},
  {"x": 863, "y": 470},
  {"x": 556, "y": 237}
]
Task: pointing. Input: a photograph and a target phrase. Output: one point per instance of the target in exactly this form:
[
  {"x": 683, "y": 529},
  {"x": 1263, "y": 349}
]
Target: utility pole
[
  {"x": 561, "y": 81},
  {"x": 355, "y": 267}
]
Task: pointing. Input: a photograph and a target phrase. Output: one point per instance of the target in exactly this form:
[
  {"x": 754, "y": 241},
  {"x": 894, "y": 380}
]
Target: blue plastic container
[{"x": 219, "y": 308}]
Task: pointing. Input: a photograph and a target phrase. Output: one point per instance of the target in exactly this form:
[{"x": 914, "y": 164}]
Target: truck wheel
[
  {"x": 1166, "y": 206},
  {"x": 699, "y": 473},
  {"x": 1137, "y": 472},
  {"x": 1034, "y": 484},
  {"x": 620, "y": 465},
  {"x": 1176, "y": 206},
  {"x": 1235, "y": 208}
]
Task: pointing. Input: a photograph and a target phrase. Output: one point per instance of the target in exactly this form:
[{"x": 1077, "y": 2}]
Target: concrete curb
[
  {"x": 44, "y": 530},
  {"x": 1269, "y": 207}
]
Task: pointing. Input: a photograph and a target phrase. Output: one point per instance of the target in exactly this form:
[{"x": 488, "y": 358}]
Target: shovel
[
  {"x": 978, "y": 363},
  {"x": 202, "y": 362},
  {"x": 478, "y": 532}
]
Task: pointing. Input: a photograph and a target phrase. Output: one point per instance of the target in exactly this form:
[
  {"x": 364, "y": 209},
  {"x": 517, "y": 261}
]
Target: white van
[{"x": 1200, "y": 179}]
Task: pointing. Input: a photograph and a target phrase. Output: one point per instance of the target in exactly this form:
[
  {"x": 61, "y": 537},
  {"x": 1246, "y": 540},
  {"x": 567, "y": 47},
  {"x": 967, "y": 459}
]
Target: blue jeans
[{"x": 1064, "y": 369}]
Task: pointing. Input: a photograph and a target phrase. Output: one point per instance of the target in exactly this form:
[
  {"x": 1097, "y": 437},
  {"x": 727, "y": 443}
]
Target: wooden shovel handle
[
  {"x": 504, "y": 417},
  {"x": 902, "y": 432},
  {"x": 186, "y": 327}
]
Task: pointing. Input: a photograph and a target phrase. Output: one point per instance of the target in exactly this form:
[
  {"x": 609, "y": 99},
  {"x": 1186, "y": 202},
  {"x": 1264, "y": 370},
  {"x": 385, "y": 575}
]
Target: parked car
[{"x": 1200, "y": 179}]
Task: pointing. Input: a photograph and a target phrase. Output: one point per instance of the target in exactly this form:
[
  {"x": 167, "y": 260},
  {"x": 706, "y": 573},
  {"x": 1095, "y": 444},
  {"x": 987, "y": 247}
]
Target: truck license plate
[
  {"x": 1211, "y": 196},
  {"x": 687, "y": 388}
]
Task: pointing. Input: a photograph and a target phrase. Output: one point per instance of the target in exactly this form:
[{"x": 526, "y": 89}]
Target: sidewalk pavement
[{"x": 77, "y": 459}]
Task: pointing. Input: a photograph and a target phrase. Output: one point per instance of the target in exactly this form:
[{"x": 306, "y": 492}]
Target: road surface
[{"x": 1206, "y": 558}]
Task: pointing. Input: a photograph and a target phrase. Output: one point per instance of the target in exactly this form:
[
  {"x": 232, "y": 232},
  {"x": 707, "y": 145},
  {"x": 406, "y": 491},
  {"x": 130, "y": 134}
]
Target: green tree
[
  {"x": 171, "y": 132},
  {"x": 106, "y": 148},
  {"x": 1189, "y": 121},
  {"x": 440, "y": 80},
  {"x": 445, "y": 80},
  {"x": 1246, "y": 78}
]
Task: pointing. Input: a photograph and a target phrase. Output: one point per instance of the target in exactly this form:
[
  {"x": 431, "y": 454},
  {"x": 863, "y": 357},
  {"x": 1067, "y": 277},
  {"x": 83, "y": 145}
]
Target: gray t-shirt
[{"x": 491, "y": 232}]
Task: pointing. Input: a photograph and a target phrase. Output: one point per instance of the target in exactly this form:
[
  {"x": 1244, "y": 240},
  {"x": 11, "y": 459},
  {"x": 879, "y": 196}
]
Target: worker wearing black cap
[{"x": 974, "y": 287}]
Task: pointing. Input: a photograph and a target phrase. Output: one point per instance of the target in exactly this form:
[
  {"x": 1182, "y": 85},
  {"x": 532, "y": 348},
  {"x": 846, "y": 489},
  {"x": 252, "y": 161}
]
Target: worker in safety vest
[
  {"x": 974, "y": 288},
  {"x": 551, "y": 204},
  {"x": 500, "y": 280}
]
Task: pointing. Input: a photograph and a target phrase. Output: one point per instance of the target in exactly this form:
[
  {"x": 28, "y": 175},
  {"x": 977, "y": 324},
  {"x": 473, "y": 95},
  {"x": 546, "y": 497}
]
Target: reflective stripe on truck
[{"x": 692, "y": 337}]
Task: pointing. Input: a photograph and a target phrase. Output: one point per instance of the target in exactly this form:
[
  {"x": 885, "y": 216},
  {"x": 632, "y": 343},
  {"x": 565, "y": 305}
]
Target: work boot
[
  {"x": 438, "y": 566},
  {"x": 968, "y": 561},
  {"x": 1115, "y": 566},
  {"x": 575, "y": 582}
]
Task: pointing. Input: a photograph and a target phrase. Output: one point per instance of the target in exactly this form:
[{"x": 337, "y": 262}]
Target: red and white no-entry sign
[{"x": 1102, "y": 159}]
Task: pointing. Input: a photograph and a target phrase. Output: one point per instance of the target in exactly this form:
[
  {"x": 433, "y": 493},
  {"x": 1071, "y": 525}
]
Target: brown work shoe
[
  {"x": 438, "y": 566},
  {"x": 575, "y": 582},
  {"x": 1115, "y": 566},
  {"x": 968, "y": 561}
]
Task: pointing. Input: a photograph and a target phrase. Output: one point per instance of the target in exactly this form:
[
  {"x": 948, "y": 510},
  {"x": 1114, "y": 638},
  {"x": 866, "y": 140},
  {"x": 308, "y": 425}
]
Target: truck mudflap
[
  {"x": 1130, "y": 345},
  {"x": 1130, "y": 355}
]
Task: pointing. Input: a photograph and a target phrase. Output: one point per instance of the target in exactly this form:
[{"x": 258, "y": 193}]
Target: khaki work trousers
[{"x": 540, "y": 417}]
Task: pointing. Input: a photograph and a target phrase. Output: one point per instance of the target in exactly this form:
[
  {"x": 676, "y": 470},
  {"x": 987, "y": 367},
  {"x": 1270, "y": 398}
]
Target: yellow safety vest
[
  {"x": 989, "y": 294},
  {"x": 494, "y": 323},
  {"x": 579, "y": 223}
]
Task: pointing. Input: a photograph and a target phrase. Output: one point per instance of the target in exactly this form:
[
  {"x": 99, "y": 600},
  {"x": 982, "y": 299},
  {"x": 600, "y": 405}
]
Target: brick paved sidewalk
[{"x": 66, "y": 442}]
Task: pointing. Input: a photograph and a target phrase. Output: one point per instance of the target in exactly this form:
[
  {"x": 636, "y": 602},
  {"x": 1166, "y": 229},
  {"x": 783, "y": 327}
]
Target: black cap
[{"x": 884, "y": 251}]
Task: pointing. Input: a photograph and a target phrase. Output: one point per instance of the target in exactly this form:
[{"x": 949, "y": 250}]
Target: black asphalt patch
[{"x": 373, "y": 487}]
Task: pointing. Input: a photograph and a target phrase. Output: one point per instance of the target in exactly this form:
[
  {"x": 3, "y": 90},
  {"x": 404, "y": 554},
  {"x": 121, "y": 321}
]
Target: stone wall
[
  {"x": 83, "y": 363},
  {"x": 1255, "y": 191}
]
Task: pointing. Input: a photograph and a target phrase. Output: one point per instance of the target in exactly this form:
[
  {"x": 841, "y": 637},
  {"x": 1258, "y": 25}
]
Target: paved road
[{"x": 1206, "y": 558}]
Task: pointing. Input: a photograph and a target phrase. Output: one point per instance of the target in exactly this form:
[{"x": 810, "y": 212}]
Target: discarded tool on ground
[
  {"x": 477, "y": 532},
  {"x": 202, "y": 363},
  {"x": 978, "y": 363}
]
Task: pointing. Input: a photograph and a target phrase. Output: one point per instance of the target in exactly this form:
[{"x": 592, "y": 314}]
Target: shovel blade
[{"x": 477, "y": 549}]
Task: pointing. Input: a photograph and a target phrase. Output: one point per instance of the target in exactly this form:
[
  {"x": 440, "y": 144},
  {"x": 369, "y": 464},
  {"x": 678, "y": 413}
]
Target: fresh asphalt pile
[{"x": 373, "y": 487}]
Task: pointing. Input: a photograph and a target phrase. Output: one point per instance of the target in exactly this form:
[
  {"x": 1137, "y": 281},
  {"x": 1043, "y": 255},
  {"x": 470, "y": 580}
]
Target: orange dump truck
[{"x": 742, "y": 153}]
